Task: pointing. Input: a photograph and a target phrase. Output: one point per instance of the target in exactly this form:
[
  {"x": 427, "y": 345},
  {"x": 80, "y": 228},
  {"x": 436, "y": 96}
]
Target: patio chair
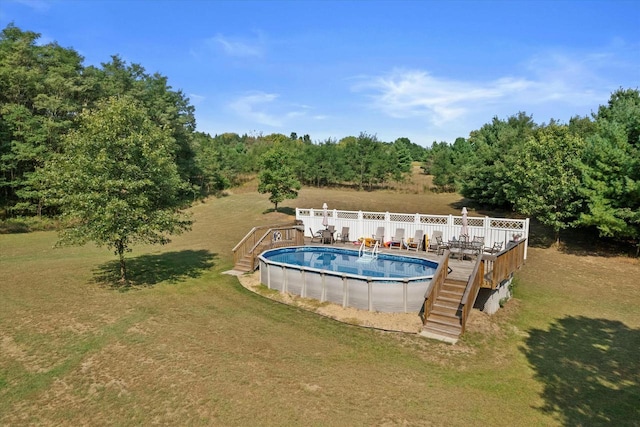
[
  {"x": 379, "y": 236},
  {"x": 315, "y": 236},
  {"x": 477, "y": 245},
  {"x": 433, "y": 243},
  {"x": 441, "y": 245},
  {"x": 397, "y": 239},
  {"x": 497, "y": 247},
  {"x": 327, "y": 237},
  {"x": 344, "y": 236},
  {"x": 416, "y": 241}
]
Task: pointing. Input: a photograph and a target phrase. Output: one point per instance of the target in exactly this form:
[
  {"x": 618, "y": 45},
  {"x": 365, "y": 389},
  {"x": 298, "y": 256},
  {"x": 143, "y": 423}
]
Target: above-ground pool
[{"x": 387, "y": 283}]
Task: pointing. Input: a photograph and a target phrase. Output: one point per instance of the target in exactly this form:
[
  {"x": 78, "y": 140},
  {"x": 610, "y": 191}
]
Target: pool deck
[{"x": 460, "y": 269}]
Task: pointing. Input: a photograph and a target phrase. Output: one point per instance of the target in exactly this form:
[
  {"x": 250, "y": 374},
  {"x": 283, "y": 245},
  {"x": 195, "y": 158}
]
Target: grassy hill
[{"x": 187, "y": 345}]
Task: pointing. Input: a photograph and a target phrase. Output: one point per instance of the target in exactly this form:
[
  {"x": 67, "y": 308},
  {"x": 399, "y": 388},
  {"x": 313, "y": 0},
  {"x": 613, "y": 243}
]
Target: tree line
[
  {"x": 52, "y": 107},
  {"x": 45, "y": 88},
  {"x": 583, "y": 174}
]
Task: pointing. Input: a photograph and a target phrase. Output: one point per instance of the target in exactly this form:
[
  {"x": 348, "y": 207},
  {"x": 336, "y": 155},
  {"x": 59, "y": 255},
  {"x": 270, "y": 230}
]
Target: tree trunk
[{"x": 123, "y": 266}]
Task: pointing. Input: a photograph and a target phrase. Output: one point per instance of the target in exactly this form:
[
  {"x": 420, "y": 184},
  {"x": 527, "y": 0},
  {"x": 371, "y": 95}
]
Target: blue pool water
[{"x": 348, "y": 262}]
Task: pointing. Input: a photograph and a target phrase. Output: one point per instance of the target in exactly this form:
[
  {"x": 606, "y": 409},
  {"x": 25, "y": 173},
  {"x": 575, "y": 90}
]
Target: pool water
[{"x": 348, "y": 262}]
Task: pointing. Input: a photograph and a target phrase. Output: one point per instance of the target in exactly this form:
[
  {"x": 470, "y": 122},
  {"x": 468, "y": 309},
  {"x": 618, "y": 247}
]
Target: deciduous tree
[
  {"x": 277, "y": 176},
  {"x": 116, "y": 180},
  {"x": 543, "y": 177}
]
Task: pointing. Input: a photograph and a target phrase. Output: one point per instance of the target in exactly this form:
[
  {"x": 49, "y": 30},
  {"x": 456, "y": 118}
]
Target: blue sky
[{"x": 426, "y": 70}]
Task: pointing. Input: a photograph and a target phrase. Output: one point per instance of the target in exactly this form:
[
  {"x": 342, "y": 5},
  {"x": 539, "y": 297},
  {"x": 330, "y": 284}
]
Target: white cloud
[
  {"x": 265, "y": 109},
  {"x": 415, "y": 93},
  {"x": 251, "y": 107},
  {"x": 196, "y": 99},
  {"x": 551, "y": 83},
  {"x": 36, "y": 5},
  {"x": 238, "y": 47}
]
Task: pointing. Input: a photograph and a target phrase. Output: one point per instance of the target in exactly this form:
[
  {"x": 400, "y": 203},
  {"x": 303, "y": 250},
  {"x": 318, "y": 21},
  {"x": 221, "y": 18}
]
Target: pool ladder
[{"x": 366, "y": 253}]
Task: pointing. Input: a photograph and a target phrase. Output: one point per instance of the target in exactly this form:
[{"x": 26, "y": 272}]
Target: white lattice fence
[{"x": 364, "y": 224}]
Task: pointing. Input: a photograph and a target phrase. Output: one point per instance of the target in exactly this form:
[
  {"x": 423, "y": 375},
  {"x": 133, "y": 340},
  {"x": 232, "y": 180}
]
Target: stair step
[
  {"x": 440, "y": 329},
  {"x": 444, "y": 318},
  {"x": 449, "y": 302},
  {"x": 450, "y": 295},
  {"x": 446, "y": 310},
  {"x": 451, "y": 292},
  {"x": 243, "y": 265},
  {"x": 455, "y": 283}
]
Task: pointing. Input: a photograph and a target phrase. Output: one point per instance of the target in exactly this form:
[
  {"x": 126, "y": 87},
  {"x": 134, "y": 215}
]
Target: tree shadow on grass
[
  {"x": 590, "y": 370},
  {"x": 149, "y": 270},
  {"x": 581, "y": 242},
  {"x": 283, "y": 210}
]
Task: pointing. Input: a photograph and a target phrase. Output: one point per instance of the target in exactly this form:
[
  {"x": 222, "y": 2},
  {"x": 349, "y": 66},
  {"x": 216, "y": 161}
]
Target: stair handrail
[
  {"x": 373, "y": 253},
  {"x": 471, "y": 291},
  {"x": 270, "y": 244},
  {"x": 254, "y": 229},
  {"x": 433, "y": 290},
  {"x": 243, "y": 251}
]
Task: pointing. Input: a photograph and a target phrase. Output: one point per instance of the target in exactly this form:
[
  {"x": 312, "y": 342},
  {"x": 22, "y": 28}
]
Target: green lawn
[{"x": 187, "y": 345}]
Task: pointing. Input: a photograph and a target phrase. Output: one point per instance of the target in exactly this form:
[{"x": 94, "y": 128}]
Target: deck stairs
[
  {"x": 445, "y": 320},
  {"x": 244, "y": 264},
  {"x": 259, "y": 239}
]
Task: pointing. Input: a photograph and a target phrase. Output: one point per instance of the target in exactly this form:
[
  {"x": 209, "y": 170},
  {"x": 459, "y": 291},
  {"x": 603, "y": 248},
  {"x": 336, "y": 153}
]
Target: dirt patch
[{"x": 399, "y": 322}]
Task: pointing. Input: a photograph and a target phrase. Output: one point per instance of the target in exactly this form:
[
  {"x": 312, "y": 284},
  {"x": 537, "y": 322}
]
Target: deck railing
[
  {"x": 435, "y": 286},
  {"x": 501, "y": 266},
  {"x": 471, "y": 291},
  {"x": 259, "y": 239}
]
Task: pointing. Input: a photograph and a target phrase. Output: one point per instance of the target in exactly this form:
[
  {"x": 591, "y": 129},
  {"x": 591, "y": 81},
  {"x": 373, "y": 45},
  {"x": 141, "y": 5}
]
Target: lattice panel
[
  {"x": 475, "y": 222},
  {"x": 319, "y": 213},
  {"x": 402, "y": 217},
  {"x": 471, "y": 222},
  {"x": 373, "y": 216},
  {"x": 508, "y": 224},
  {"x": 347, "y": 215},
  {"x": 304, "y": 212},
  {"x": 438, "y": 220}
]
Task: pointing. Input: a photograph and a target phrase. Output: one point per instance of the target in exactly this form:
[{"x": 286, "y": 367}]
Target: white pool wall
[{"x": 365, "y": 293}]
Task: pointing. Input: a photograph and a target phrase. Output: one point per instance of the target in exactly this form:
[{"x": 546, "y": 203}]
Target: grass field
[{"x": 187, "y": 345}]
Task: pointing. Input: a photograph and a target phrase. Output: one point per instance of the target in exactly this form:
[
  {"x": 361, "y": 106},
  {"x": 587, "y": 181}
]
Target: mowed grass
[{"x": 187, "y": 345}]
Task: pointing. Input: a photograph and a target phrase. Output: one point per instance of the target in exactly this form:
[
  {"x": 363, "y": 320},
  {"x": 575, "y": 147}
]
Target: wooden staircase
[
  {"x": 245, "y": 264},
  {"x": 445, "y": 319},
  {"x": 259, "y": 239}
]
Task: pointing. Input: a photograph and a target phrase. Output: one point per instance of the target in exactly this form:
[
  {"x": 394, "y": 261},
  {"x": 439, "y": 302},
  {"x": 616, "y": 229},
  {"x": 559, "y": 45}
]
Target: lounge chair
[
  {"x": 433, "y": 243},
  {"x": 315, "y": 236},
  {"x": 416, "y": 241},
  {"x": 344, "y": 236},
  {"x": 397, "y": 239},
  {"x": 379, "y": 236}
]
